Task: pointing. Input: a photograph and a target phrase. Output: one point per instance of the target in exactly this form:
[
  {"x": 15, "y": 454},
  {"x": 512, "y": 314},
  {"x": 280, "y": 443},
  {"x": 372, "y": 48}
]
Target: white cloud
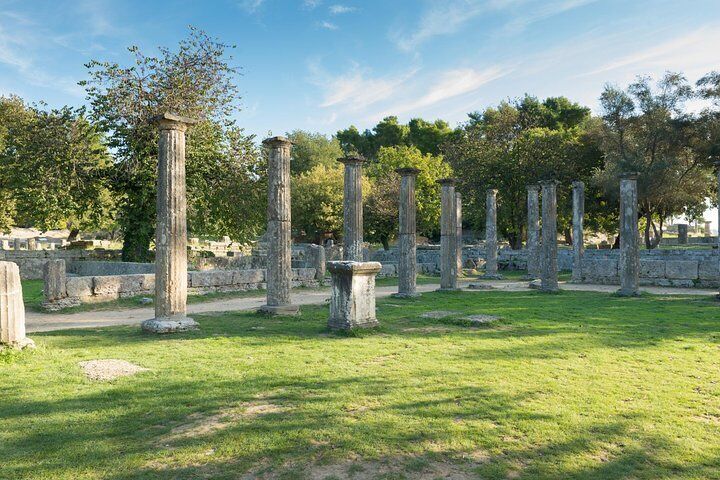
[
  {"x": 340, "y": 9},
  {"x": 356, "y": 89},
  {"x": 328, "y": 25},
  {"x": 251, "y": 6},
  {"x": 311, "y": 4}
]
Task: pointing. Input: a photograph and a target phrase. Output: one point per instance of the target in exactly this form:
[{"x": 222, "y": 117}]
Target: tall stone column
[
  {"x": 716, "y": 162},
  {"x": 578, "y": 237},
  {"x": 171, "y": 230},
  {"x": 459, "y": 234},
  {"x": 491, "y": 265},
  {"x": 533, "y": 234},
  {"x": 549, "y": 275},
  {"x": 448, "y": 234},
  {"x": 629, "y": 248},
  {"x": 682, "y": 233},
  {"x": 706, "y": 228},
  {"x": 407, "y": 261},
  {"x": 352, "y": 209},
  {"x": 12, "y": 308},
  {"x": 279, "y": 267}
]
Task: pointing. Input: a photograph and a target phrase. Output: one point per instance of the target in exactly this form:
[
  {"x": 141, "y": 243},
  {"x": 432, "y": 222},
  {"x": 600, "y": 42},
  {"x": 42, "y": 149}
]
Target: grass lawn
[{"x": 578, "y": 385}]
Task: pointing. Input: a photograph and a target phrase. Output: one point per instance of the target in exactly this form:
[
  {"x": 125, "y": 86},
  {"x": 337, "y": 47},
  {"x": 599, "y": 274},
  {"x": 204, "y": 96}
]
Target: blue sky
[{"x": 322, "y": 65}]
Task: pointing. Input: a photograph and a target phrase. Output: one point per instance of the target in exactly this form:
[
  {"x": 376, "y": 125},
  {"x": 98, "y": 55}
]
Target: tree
[
  {"x": 647, "y": 130},
  {"x": 516, "y": 144},
  {"x": 53, "y": 169},
  {"x": 311, "y": 149},
  {"x": 197, "y": 81},
  {"x": 381, "y": 213}
]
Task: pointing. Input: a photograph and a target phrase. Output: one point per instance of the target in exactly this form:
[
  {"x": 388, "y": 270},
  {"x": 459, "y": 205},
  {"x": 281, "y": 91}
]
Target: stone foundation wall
[
  {"x": 31, "y": 263},
  {"x": 101, "y": 288}
]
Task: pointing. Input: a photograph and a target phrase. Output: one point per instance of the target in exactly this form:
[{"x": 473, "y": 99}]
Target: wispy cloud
[
  {"x": 447, "y": 18},
  {"x": 356, "y": 89},
  {"x": 311, "y": 4},
  {"x": 251, "y": 6},
  {"x": 328, "y": 25},
  {"x": 340, "y": 9}
]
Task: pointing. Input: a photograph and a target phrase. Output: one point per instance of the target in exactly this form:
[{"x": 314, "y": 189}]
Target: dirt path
[{"x": 44, "y": 322}]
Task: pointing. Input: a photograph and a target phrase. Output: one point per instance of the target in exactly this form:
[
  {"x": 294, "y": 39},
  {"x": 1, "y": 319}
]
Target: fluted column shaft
[
  {"x": 533, "y": 233},
  {"x": 407, "y": 261},
  {"x": 578, "y": 237},
  {"x": 448, "y": 234},
  {"x": 549, "y": 276},
  {"x": 491, "y": 265},
  {"x": 629, "y": 234},
  {"x": 353, "y": 209},
  {"x": 459, "y": 234}
]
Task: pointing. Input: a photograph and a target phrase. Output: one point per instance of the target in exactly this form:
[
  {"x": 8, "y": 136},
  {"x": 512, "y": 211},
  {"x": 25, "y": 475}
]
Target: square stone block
[
  {"x": 303, "y": 274},
  {"x": 81, "y": 287},
  {"x": 709, "y": 268},
  {"x": 242, "y": 277},
  {"x": 652, "y": 268},
  {"x": 352, "y": 303},
  {"x": 681, "y": 269}
]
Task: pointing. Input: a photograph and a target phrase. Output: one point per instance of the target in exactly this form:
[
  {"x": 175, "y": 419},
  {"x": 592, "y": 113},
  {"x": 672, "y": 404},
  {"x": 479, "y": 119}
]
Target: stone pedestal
[
  {"x": 578, "y": 236},
  {"x": 171, "y": 230},
  {"x": 407, "y": 261},
  {"x": 448, "y": 235},
  {"x": 12, "y": 309},
  {"x": 352, "y": 209},
  {"x": 533, "y": 233},
  {"x": 352, "y": 304},
  {"x": 629, "y": 249},
  {"x": 491, "y": 265},
  {"x": 682, "y": 234},
  {"x": 549, "y": 275},
  {"x": 279, "y": 236}
]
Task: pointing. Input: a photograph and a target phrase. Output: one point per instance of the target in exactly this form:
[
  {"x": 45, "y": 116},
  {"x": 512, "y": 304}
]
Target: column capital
[
  {"x": 578, "y": 183},
  {"x": 278, "y": 141},
  {"x": 491, "y": 191},
  {"x": 407, "y": 171},
  {"x": 447, "y": 181},
  {"x": 171, "y": 121},
  {"x": 352, "y": 160},
  {"x": 629, "y": 175},
  {"x": 535, "y": 187},
  {"x": 549, "y": 183}
]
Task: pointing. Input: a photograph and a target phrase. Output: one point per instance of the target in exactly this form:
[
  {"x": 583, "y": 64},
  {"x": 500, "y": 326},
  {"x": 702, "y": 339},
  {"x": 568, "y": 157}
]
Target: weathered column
[
  {"x": 32, "y": 243},
  {"x": 316, "y": 254},
  {"x": 706, "y": 229},
  {"x": 629, "y": 248},
  {"x": 407, "y": 261},
  {"x": 171, "y": 229},
  {"x": 549, "y": 275},
  {"x": 682, "y": 233},
  {"x": 279, "y": 267},
  {"x": 17, "y": 244},
  {"x": 578, "y": 237},
  {"x": 54, "y": 285},
  {"x": 491, "y": 265},
  {"x": 448, "y": 234},
  {"x": 716, "y": 162},
  {"x": 352, "y": 209},
  {"x": 459, "y": 235},
  {"x": 533, "y": 234},
  {"x": 12, "y": 309}
]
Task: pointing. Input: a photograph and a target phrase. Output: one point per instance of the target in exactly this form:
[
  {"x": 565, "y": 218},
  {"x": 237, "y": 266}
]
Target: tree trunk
[
  {"x": 568, "y": 236},
  {"x": 616, "y": 243},
  {"x": 385, "y": 243},
  {"x": 648, "y": 221},
  {"x": 73, "y": 235},
  {"x": 515, "y": 241}
]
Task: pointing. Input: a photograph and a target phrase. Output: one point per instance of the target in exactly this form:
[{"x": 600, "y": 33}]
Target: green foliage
[
  {"x": 197, "y": 80},
  {"x": 516, "y": 144},
  {"x": 53, "y": 169},
  {"x": 311, "y": 149},
  {"x": 317, "y": 201},
  {"x": 647, "y": 130},
  {"x": 381, "y": 212}
]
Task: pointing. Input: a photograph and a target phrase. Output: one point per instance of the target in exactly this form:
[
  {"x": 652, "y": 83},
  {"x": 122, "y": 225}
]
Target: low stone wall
[
  {"x": 101, "y": 288},
  {"x": 31, "y": 263},
  {"x": 92, "y": 268}
]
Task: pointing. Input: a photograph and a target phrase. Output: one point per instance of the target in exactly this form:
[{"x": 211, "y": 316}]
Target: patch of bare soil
[
  {"x": 109, "y": 369},
  {"x": 433, "y": 329},
  {"x": 482, "y": 319},
  {"x": 437, "y": 314}
]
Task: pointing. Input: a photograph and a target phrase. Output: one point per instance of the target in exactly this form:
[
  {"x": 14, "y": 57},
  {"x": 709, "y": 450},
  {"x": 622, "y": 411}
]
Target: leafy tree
[
  {"x": 381, "y": 212},
  {"x": 517, "y": 144},
  {"x": 648, "y": 130},
  {"x": 428, "y": 137},
  {"x": 311, "y": 149},
  {"x": 197, "y": 80},
  {"x": 53, "y": 166}
]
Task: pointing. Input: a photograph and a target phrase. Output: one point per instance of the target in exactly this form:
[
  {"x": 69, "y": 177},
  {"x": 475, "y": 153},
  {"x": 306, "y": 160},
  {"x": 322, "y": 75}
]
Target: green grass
[{"x": 579, "y": 385}]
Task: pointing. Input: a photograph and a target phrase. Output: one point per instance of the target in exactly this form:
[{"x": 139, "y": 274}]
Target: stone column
[
  {"x": 17, "y": 244},
  {"x": 629, "y": 248},
  {"x": 279, "y": 267},
  {"x": 32, "y": 243},
  {"x": 491, "y": 266},
  {"x": 316, "y": 254},
  {"x": 682, "y": 233},
  {"x": 549, "y": 275},
  {"x": 448, "y": 234},
  {"x": 171, "y": 229},
  {"x": 459, "y": 234},
  {"x": 12, "y": 309},
  {"x": 407, "y": 261},
  {"x": 578, "y": 236},
  {"x": 706, "y": 229},
  {"x": 533, "y": 234},
  {"x": 716, "y": 162},
  {"x": 54, "y": 286},
  {"x": 352, "y": 209}
]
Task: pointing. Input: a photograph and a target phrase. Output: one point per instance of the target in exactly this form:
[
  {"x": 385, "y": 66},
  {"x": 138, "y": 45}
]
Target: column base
[
  {"x": 279, "y": 310},
  {"x": 19, "y": 344},
  {"x": 169, "y": 325},
  {"x": 627, "y": 293},
  {"x": 405, "y": 295},
  {"x": 450, "y": 289}
]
